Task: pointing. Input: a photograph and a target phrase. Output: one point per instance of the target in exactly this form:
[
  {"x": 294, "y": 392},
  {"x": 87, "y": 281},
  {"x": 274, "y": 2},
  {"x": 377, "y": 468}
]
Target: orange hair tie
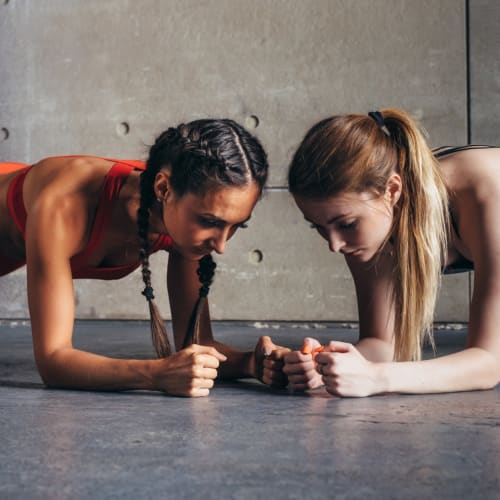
[{"x": 306, "y": 349}]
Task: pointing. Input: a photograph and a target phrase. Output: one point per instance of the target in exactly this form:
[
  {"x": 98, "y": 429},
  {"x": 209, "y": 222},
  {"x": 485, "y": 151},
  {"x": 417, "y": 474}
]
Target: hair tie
[
  {"x": 379, "y": 119},
  {"x": 148, "y": 293}
]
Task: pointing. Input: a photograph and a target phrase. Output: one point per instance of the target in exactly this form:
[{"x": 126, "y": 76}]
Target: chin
[
  {"x": 193, "y": 256},
  {"x": 188, "y": 253},
  {"x": 196, "y": 254},
  {"x": 363, "y": 256}
]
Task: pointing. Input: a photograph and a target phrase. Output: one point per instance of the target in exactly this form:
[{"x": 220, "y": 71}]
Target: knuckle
[{"x": 199, "y": 359}]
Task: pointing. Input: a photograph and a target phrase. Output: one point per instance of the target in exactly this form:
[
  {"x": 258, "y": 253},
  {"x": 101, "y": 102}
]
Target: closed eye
[
  {"x": 206, "y": 222},
  {"x": 348, "y": 225}
]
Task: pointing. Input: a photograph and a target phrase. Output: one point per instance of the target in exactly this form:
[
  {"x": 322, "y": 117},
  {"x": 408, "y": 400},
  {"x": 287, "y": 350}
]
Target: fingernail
[{"x": 306, "y": 349}]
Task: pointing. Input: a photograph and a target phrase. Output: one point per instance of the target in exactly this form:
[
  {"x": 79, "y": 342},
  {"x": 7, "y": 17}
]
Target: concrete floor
[{"x": 244, "y": 441}]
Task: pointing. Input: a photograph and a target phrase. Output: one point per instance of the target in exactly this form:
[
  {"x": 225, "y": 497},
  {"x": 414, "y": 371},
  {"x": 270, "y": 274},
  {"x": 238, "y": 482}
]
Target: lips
[
  {"x": 202, "y": 251},
  {"x": 353, "y": 253}
]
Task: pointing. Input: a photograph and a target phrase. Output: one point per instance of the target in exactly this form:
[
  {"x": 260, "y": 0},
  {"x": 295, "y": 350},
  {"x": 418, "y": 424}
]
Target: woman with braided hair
[
  {"x": 401, "y": 215},
  {"x": 89, "y": 217}
]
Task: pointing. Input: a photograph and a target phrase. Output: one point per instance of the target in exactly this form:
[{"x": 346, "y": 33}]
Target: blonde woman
[{"x": 401, "y": 215}]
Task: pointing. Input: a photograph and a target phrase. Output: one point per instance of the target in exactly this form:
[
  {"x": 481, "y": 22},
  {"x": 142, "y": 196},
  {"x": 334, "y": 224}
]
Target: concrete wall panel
[
  {"x": 484, "y": 36},
  {"x": 73, "y": 73}
]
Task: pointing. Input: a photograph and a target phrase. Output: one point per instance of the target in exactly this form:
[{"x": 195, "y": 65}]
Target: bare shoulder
[
  {"x": 473, "y": 179},
  {"x": 62, "y": 194},
  {"x": 64, "y": 175},
  {"x": 474, "y": 171}
]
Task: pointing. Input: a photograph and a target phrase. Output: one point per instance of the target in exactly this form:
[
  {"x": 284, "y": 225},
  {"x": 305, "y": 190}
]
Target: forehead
[
  {"x": 338, "y": 200},
  {"x": 342, "y": 203},
  {"x": 229, "y": 202}
]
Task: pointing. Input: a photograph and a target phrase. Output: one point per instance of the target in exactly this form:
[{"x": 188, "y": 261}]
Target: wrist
[
  {"x": 151, "y": 370},
  {"x": 248, "y": 364},
  {"x": 382, "y": 377}
]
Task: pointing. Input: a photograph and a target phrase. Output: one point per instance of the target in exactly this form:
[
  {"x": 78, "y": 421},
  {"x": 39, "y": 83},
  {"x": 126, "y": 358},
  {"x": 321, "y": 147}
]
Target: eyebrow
[
  {"x": 331, "y": 221},
  {"x": 218, "y": 219}
]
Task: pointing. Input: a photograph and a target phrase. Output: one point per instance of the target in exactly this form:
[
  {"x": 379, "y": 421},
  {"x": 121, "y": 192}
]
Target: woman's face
[
  {"x": 200, "y": 224},
  {"x": 355, "y": 224}
]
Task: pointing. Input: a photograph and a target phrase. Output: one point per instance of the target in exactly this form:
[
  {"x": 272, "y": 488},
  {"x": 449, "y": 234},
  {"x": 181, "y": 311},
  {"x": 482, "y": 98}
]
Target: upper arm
[
  {"x": 374, "y": 294},
  {"x": 54, "y": 233},
  {"x": 480, "y": 231},
  {"x": 183, "y": 291}
]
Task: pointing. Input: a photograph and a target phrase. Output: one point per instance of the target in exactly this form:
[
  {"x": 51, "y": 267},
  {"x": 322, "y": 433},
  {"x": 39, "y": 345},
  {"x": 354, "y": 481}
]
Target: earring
[{"x": 162, "y": 198}]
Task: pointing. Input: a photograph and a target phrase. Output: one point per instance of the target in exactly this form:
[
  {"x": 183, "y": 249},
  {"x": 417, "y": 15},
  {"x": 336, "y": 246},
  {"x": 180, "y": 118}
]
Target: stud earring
[{"x": 161, "y": 199}]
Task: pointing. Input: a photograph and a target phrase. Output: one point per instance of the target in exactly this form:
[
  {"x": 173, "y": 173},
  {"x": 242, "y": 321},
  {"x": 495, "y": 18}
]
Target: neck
[{"x": 130, "y": 198}]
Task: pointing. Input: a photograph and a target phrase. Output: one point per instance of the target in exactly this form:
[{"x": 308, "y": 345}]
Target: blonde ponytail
[{"x": 420, "y": 236}]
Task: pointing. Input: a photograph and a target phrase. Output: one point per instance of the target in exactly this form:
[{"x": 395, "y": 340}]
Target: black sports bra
[{"x": 463, "y": 264}]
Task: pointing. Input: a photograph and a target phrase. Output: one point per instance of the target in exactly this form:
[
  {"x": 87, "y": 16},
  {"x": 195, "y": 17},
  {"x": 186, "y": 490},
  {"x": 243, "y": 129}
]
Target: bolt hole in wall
[
  {"x": 4, "y": 134},
  {"x": 252, "y": 121},
  {"x": 122, "y": 129},
  {"x": 255, "y": 257}
]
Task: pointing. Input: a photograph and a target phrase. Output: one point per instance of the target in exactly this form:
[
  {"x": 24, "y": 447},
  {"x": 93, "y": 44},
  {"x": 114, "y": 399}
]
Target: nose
[
  {"x": 219, "y": 243},
  {"x": 335, "y": 242}
]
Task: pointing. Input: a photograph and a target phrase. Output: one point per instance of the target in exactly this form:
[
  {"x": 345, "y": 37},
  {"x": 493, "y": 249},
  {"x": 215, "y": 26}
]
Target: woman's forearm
[
  {"x": 239, "y": 364},
  {"x": 467, "y": 370},
  {"x": 72, "y": 368}
]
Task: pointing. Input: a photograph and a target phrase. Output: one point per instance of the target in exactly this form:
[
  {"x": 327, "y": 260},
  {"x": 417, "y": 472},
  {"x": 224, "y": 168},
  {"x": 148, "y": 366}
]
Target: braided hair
[{"x": 202, "y": 155}]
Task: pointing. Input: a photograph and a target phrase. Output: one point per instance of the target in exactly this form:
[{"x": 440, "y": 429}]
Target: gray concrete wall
[{"x": 72, "y": 72}]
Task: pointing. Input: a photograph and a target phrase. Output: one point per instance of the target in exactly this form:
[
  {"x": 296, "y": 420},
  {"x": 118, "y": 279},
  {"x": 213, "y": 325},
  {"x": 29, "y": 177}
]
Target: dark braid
[
  {"x": 158, "y": 330},
  {"x": 202, "y": 155},
  {"x": 206, "y": 271}
]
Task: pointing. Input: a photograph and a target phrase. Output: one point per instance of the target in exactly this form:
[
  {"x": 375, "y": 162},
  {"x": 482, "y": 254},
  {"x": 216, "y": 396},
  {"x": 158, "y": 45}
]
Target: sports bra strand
[{"x": 112, "y": 184}]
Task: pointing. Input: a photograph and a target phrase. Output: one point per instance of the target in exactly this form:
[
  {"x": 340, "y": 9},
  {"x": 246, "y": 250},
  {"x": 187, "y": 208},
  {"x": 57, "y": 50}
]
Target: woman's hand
[
  {"x": 301, "y": 368},
  {"x": 190, "y": 372},
  {"x": 345, "y": 372},
  {"x": 268, "y": 362}
]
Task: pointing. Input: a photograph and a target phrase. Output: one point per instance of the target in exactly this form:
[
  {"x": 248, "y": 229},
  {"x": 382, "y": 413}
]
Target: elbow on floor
[{"x": 48, "y": 373}]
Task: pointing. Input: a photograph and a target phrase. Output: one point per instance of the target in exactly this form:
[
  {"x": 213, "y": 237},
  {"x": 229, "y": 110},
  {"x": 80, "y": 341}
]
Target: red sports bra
[{"x": 113, "y": 182}]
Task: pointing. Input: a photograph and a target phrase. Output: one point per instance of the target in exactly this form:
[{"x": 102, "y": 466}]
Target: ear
[
  {"x": 162, "y": 184},
  {"x": 393, "y": 189}
]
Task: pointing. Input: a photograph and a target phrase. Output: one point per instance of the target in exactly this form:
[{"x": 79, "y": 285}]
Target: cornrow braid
[{"x": 201, "y": 155}]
